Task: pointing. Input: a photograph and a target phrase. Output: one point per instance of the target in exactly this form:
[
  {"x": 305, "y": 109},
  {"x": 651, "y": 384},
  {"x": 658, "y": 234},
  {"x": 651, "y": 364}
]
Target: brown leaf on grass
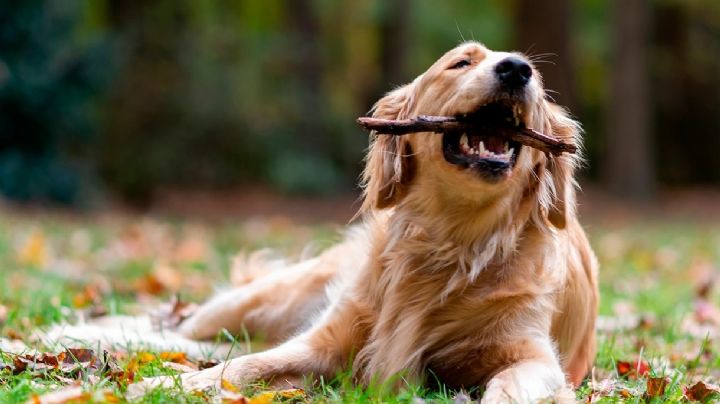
[
  {"x": 289, "y": 394},
  {"x": 67, "y": 366},
  {"x": 150, "y": 285},
  {"x": 172, "y": 313},
  {"x": 656, "y": 386},
  {"x": 13, "y": 334},
  {"x": 82, "y": 362},
  {"x": 226, "y": 385},
  {"x": 265, "y": 397},
  {"x": 42, "y": 362},
  {"x": 268, "y": 397},
  {"x": 632, "y": 370},
  {"x": 624, "y": 393},
  {"x": 144, "y": 357},
  {"x": 126, "y": 375},
  {"x": 80, "y": 355},
  {"x": 702, "y": 392},
  {"x": 176, "y": 357},
  {"x": 91, "y": 299}
]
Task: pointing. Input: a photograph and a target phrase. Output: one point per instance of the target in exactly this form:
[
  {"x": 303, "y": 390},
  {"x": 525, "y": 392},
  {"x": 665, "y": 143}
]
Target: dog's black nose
[{"x": 513, "y": 72}]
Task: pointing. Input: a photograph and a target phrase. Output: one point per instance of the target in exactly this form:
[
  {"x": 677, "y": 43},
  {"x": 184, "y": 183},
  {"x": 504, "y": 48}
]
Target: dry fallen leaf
[
  {"x": 144, "y": 357},
  {"x": 226, "y": 385},
  {"x": 632, "y": 370},
  {"x": 70, "y": 365},
  {"x": 172, "y": 313},
  {"x": 90, "y": 295},
  {"x": 266, "y": 397},
  {"x": 656, "y": 386},
  {"x": 150, "y": 285},
  {"x": 625, "y": 393},
  {"x": 128, "y": 374},
  {"x": 290, "y": 394},
  {"x": 701, "y": 391}
]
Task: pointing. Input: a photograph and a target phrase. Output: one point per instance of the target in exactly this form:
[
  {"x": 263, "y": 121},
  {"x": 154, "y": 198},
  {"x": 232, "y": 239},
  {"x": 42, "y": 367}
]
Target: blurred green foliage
[
  {"x": 134, "y": 96},
  {"x": 53, "y": 68}
]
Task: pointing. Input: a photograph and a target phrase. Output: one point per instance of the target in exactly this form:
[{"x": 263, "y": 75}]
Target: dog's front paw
[
  {"x": 499, "y": 393},
  {"x": 514, "y": 391},
  {"x": 192, "y": 381},
  {"x": 237, "y": 371}
]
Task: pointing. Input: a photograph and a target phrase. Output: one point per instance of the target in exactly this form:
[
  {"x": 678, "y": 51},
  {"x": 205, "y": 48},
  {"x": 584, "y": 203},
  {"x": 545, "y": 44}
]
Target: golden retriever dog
[{"x": 469, "y": 267}]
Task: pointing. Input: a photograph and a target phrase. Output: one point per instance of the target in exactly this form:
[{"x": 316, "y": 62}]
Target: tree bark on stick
[{"x": 442, "y": 124}]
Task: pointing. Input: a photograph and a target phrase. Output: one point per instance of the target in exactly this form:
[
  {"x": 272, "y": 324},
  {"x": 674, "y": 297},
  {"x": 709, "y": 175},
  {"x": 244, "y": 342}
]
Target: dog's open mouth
[{"x": 486, "y": 150}]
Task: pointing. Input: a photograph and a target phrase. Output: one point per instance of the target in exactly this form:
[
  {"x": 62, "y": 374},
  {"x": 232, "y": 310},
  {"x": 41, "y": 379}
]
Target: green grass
[{"x": 649, "y": 271}]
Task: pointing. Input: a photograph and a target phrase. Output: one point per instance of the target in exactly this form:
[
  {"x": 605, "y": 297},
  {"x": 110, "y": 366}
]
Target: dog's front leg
[
  {"x": 321, "y": 351},
  {"x": 535, "y": 377}
]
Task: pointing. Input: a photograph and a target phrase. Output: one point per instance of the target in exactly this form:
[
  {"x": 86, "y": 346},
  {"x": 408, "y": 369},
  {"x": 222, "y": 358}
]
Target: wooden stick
[{"x": 442, "y": 124}]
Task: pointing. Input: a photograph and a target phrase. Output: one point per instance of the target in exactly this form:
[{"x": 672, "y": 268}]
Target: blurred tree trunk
[
  {"x": 543, "y": 28},
  {"x": 394, "y": 32},
  {"x": 307, "y": 64},
  {"x": 393, "y": 35},
  {"x": 627, "y": 163},
  {"x": 686, "y": 92}
]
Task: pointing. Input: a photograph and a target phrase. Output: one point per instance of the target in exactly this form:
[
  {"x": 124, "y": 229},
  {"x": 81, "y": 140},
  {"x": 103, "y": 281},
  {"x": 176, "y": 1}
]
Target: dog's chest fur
[{"x": 426, "y": 315}]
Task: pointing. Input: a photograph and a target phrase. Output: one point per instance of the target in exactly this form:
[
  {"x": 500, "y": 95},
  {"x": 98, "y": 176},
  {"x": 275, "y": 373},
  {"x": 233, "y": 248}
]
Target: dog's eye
[{"x": 460, "y": 64}]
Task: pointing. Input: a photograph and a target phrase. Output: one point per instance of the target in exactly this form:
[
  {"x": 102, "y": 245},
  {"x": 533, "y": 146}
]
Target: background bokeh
[
  {"x": 145, "y": 143},
  {"x": 116, "y": 100}
]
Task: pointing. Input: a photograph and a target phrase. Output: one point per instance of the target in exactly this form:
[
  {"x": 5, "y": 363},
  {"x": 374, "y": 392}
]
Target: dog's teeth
[
  {"x": 464, "y": 141},
  {"x": 506, "y": 146},
  {"x": 517, "y": 114},
  {"x": 481, "y": 148}
]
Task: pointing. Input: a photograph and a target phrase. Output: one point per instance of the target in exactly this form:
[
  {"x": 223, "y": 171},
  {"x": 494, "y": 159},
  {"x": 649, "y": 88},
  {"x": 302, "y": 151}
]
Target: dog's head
[{"x": 502, "y": 90}]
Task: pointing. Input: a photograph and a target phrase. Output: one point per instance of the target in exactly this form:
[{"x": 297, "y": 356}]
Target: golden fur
[{"x": 486, "y": 284}]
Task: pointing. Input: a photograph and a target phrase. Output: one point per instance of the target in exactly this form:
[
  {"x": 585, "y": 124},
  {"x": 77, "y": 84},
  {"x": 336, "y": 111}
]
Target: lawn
[{"x": 658, "y": 333}]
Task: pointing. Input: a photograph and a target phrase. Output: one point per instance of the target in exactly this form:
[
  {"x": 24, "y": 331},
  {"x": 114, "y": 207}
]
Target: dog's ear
[
  {"x": 390, "y": 165},
  {"x": 562, "y": 167}
]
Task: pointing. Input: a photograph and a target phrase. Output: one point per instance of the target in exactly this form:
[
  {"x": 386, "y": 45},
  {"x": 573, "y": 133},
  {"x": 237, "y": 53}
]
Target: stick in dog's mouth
[{"x": 473, "y": 124}]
